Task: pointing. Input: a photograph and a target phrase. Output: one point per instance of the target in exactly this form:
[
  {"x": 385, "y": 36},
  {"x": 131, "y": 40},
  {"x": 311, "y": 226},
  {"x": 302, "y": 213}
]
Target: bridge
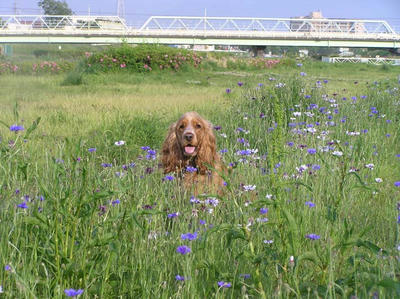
[{"x": 179, "y": 30}]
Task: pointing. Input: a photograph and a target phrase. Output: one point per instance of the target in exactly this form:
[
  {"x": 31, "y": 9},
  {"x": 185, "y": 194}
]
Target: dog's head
[{"x": 190, "y": 140}]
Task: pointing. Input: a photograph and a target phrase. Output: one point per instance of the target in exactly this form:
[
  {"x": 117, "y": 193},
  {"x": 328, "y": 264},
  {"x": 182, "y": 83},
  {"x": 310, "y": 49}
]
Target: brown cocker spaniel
[{"x": 190, "y": 151}]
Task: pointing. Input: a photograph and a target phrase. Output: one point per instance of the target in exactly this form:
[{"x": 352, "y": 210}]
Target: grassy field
[{"x": 310, "y": 208}]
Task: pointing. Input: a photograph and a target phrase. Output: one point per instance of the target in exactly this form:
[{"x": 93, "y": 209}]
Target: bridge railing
[
  {"x": 167, "y": 23},
  {"x": 29, "y": 23}
]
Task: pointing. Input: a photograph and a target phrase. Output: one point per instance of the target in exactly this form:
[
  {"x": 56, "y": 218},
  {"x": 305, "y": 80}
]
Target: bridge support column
[{"x": 258, "y": 51}]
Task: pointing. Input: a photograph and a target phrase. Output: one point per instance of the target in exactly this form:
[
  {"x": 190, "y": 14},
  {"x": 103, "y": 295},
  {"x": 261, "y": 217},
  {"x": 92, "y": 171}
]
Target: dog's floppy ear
[
  {"x": 208, "y": 149},
  {"x": 171, "y": 154}
]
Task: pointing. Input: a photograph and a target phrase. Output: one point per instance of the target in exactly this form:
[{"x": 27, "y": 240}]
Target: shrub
[{"x": 143, "y": 58}]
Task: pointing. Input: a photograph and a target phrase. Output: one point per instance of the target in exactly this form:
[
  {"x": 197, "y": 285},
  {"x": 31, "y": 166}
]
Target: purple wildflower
[
  {"x": 310, "y": 204},
  {"x": 183, "y": 249},
  {"x": 316, "y": 167},
  {"x": 23, "y": 205},
  {"x": 191, "y": 169},
  {"x": 240, "y": 83},
  {"x": 168, "y": 178},
  {"x": 313, "y": 236},
  {"x": 16, "y": 128},
  {"x": 189, "y": 236},
  {"x": 228, "y": 90},
  {"x": 263, "y": 210},
  {"x": 312, "y": 151},
  {"x": 223, "y": 284},
  {"x": 173, "y": 215},
  {"x": 72, "y": 292},
  {"x": 179, "y": 278},
  {"x": 92, "y": 149},
  {"x": 397, "y": 184}
]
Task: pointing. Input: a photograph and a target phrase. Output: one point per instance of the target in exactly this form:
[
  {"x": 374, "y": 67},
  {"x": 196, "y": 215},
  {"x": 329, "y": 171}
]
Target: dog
[{"x": 190, "y": 151}]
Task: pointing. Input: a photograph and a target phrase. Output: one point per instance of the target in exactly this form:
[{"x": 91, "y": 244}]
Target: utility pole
[
  {"x": 15, "y": 7},
  {"x": 121, "y": 8}
]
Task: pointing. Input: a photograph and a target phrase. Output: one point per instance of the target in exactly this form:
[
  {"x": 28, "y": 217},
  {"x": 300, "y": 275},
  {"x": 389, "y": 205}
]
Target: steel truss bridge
[{"x": 176, "y": 30}]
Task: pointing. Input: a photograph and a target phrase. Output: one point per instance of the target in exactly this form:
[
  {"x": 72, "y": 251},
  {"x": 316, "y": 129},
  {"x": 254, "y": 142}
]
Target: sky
[{"x": 137, "y": 12}]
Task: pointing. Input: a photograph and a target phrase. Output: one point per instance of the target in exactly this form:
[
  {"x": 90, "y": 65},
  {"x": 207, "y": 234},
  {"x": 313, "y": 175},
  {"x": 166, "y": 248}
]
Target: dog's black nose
[{"x": 188, "y": 136}]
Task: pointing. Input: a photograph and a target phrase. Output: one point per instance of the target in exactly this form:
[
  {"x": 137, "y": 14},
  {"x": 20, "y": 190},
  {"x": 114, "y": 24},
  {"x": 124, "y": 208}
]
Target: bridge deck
[{"x": 197, "y": 30}]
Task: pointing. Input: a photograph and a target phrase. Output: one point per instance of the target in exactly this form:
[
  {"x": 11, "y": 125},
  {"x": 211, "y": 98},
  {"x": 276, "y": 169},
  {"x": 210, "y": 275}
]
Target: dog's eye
[
  {"x": 181, "y": 126},
  {"x": 198, "y": 126}
]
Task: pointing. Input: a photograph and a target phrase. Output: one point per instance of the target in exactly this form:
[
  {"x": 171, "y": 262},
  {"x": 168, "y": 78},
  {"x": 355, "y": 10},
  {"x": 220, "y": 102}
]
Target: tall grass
[{"x": 303, "y": 214}]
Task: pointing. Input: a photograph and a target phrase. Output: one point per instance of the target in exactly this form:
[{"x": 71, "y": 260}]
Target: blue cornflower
[
  {"x": 106, "y": 165},
  {"x": 183, "y": 249},
  {"x": 202, "y": 222},
  {"x": 92, "y": 149},
  {"x": 240, "y": 83},
  {"x": 151, "y": 154},
  {"x": 23, "y": 205},
  {"x": 290, "y": 143},
  {"x": 115, "y": 202},
  {"x": 179, "y": 278},
  {"x": 223, "y": 284},
  {"x": 7, "y": 267},
  {"x": 245, "y": 275},
  {"x": 168, "y": 178},
  {"x": 245, "y": 152},
  {"x": 397, "y": 184},
  {"x": 228, "y": 90},
  {"x": 312, "y": 151},
  {"x": 189, "y": 236},
  {"x": 145, "y": 148},
  {"x": 173, "y": 215},
  {"x": 16, "y": 128},
  {"x": 310, "y": 204},
  {"x": 316, "y": 167},
  {"x": 72, "y": 292},
  {"x": 303, "y": 74},
  {"x": 313, "y": 236},
  {"x": 224, "y": 150},
  {"x": 191, "y": 169},
  {"x": 263, "y": 210}
]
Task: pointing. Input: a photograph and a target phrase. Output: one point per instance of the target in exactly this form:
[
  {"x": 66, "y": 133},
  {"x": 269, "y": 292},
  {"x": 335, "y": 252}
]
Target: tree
[{"x": 55, "y": 7}]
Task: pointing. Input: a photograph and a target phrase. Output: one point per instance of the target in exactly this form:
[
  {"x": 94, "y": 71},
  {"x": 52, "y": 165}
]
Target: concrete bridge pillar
[{"x": 258, "y": 51}]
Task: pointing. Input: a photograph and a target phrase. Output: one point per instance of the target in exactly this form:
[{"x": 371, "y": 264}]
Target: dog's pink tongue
[{"x": 189, "y": 149}]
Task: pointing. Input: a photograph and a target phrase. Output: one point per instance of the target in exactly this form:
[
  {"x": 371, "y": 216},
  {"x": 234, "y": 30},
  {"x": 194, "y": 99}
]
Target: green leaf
[
  {"x": 293, "y": 231},
  {"x": 15, "y": 111},
  {"x": 32, "y": 128},
  {"x": 390, "y": 284}
]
